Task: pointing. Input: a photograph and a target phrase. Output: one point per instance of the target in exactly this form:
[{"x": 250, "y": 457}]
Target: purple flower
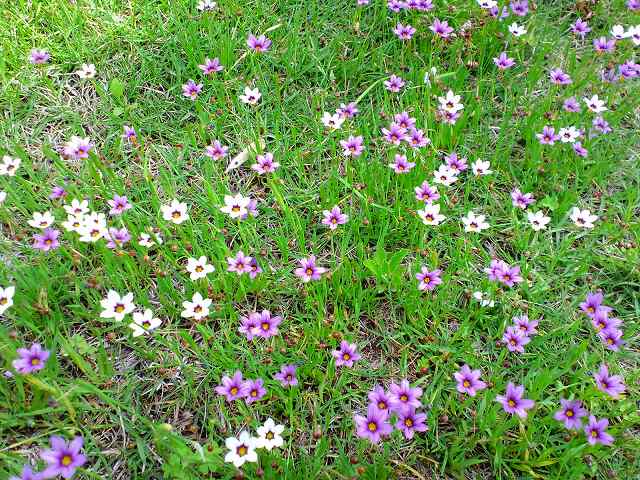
[
  {"x": 346, "y": 354},
  {"x": 495, "y": 268},
  {"x": 401, "y": 164},
  {"x": 612, "y": 338},
  {"x": 526, "y": 326},
  {"x": 571, "y": 105},
  {"x": 630, "y": 69},
  {"x": 267, "y": 325},
  {"x": 509, "y": 276},
  {"x": 612, "y": 385},
  {"x": 118, "y": 237},
  {"x": 469, "y": 381},
  {"x": 394, "y": 134},
  {"x": 265, "y": 164},
  {"x": 410, "y": 422},
  {"x": 593, "y": 305},
  {"x": 380, "y": 399},
  {"x": 602, "y": 321},
  {"x": 63, "y": 458},
  {"x": 255, "y": 391},
  {"x": 571, "y": 413},
  {"x": 403, "y": 396},
  {"x": 595, "y": 431},
  {"x": 600, "y": 124},
  {"x": 633, "y": 5},
  {"x": 609, "y": 75},
  {"x": 558, "y": 77},
  {"x": 416, "y": 138},
  {"x": 216, "y": 150},
  {"x": 515, "y": 339},
  {"x": 38, "y": 57},
  {"x": 250, "y": 326},
  {"x": 426, "y": 193},
  {"x": 442, "y": 29},
  {"x": 57, "y": 192},
  {"x": 404, "y": 120},
  {"x": 457, "y": 164},
  {"x": 209, "y": 67},
  {"x": 580, "y": 150},
  {"x": 580, "y": 28},
  {"x": 233, "y": 388},
  {"x": 521, "y": 200},
  {"x": 548, "y": 136},
  {"x": 428, "y": 280},
  {"x": 396, "y": 5},
  {"x": 512, "y": 401},
  {"x": 27, "y": 474},
  {"x": 128, "y": 133},
  {"x": 46, "y": 241},
  {"x": 308, "y": 270},
  {"x": 259, "y": 44},
  {"x": 191, "y": 89},
  {"x": 352, "y": 146},
  {"x": 394, "y": 84},
  {"x": 334, "y": 217},
  {"x": 287, "y": 375},
  {"x": 374, "y": 426},
  {"x": 254, "y": 268},
  {"x": 520, "y": 7},
  {"x": 119, "y": 204},
  {"x": 604, "y": 45},
  {"x": 404, "y": 32},
  {"x": 30, "y": 360},
  {"x": 503, "y": 61},
  {"x": 240, "y": 263},
  {"x": 349, "y": 110}
]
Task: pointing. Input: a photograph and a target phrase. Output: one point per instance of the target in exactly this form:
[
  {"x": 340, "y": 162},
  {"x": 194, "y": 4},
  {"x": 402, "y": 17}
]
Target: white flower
[
  {"x": 87, "y": 70},
  {"x": 445, "y": 175},
  {"x": 144, "y": 322},
  {"x": 618, "y": 32},
  {"x": 206, "y": 5},
  {"x": 236, "y": 205},
  {"x": 115, "y": 306},
  {"x": 146, "y": 241},
  {"x": 199, "y": 268},
  {"x": 538, "y": 220},
  {"x": 595, "y": 104},
  {"x": 269, "y": 435},
  {"x": 3, "y": 196},
  {"x": 451, "y": 102},
  {"x": 6, "y": 298},
  {"x": 480, "y": 167},
  {"x": 483, "y": 299},
  {"x": 634, "y": 34},
  {"x": 582, "y": 218},
  {"x": 333, "y": 122},
  {"x": 431, "y": 214},
  {"x": 197, "y": 309},
  {"x": 517, "y": 30},
  {"x": 474, "y": 223},
  {"x": 569, "y": 134},
  {"x": 9, "y": 165},
  {"x": 488, "y": 4},
  {"x": 42, "y": 220},
  {"x": 430, "y": 73},
  {"x": 251, "y": 97},
  {"x": 93, "y": 227},
  {"x": 76, "y": 207},
  {"x": 241, "y": 449},
  {"x": 73, "y": 223},
  {"x": 175, "y": 212}
]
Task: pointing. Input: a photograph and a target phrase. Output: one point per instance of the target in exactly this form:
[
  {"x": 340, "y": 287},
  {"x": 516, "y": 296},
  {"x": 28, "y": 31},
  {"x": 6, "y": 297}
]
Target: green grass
[{"x": 118, "y": 391}]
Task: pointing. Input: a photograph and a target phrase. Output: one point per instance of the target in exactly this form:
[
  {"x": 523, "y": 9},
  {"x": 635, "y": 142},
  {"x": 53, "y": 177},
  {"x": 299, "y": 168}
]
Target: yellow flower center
[
  {"x": 234, "y": 390},
  {"x": 242, "y": 450},
  {"x": 569, "y": 413},
  {"x": 119, "y": 308},
  {"x": 372, "y": 426},
  {"x": 346, "y": 356},
  {"x": 511, "y": 403},
  {"x": 269, "y": 436},
  {"x": 404, "y": 398},
  {"x": 66, "y": 460},
  {"x": 466, "y": 384},
  {"x": 408, "y": 422},
  {"x": 35, "y": 361}
]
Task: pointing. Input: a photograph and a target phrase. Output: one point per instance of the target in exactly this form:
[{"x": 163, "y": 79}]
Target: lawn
[{"x": 469, "y": 310}]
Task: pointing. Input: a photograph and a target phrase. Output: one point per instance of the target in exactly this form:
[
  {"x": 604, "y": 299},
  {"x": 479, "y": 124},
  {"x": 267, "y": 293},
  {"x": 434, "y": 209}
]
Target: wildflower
[
  {"x": 509, "y": 276},
  {"x": 175, "y": 212},
  {"x": 9, "y": 165},
  {"x": 379, "y": 398},
  {"x": 334, "y": 217},
  {"x": 604, "y": 45},
  {"x": 197, "y": 308},
  {"x": 517, "y": 30},
  {"x": 520, "y": 7},
  {"x": 41, "y": 220},
  {"x": 115, "y": 306},
  {"x": 526, "y": 326},
  {"x": 265, "y": 164},
  {"x": 119, "y": 204},
  {"x": 580, "y": 150},
  {"x": 394, "y": 84},
  {"x": 352, "y": 146},
  {"x": 450, "y": 102},
  {"x": 57, "y": 192},
  {"x": 445, "y": 175},
  {"x": 269, "y": 435},
  {"x": 117, "y": 237},
  {"x": 30, "y": 360},
  {"x": 404, "y": 32},
  {"x": 77, "y": 148},
  {"x": 594, "y": 104},
  {"x": 595, "y": 432},
  {"x": 255, "y": 391},
  {"x": 469, "y": 381},
  {"x": 580, "y": 28},
  {"x": 481, "y": 167},
  {"x": 612, "y": 338},
  {"x": 144, "y": 322},
  {"x": 77, "y": 207},
  {"x": 63, "y": 458},
  {"x": 559, "y": 77},
  {"x": 394, "y": 134},
  {"x": 426, "y": 193},
  {"x": 250, "y": 96},
  {"x": 593, "y": 306},
  {"x": 349, "y": 110},
  {"x": 416, "y": 138},
  {"x": 618, "y": 32},
  {"x": 630, "y": 69},
  {"x": 287, "y": 376},
  {"x": 27, "y": 472},
  {"x": 602, "y": 321},
  {"x": 254, "y": 268},
  {"x": 241, "y": 449},
  {"x": 209, "y": 67},
  {"x": 428, "y": 280},
  {"x": 374, "y": 426},
  {"x": 87, "y": 70},
  {"x": 346, "y": 354},
  {"x": 633, "y": 5},
  {"x": 216, "y": 150},
  {"x": 249, "y": 325},
  {"x": 145, "y": 240},
  {"x": 396, "y": 5},
  {"x": 332, "y": 121},
  {"x": 6, "y": 298},
  {"x": 571, "y": 413},
  {"x": 236, "y": 205},
  {"x": 441, "y": 29},
  {"x": 410, "y": 422},
  {"x": 404, "y": 120},
  {"x": 129, "y": 133},
  {"x": 206, "y": 5},
  {"x": 3, "y": 196},
  {"x": 571, "y": 105},
  {"x": 612, "y": 385},
  {"x": 403, "y": 396},
  {"x": 503, "y": 62},
  {"x": 93, "y": 227},
  {"x": 582, "y": 218},
  {"x": 266, "y": 325},
  {"x": 239, "y": 264},
  {"x": 258, "y": 44},
  {"x": 515, "y": 339},
  {"x": 38, "y": 56},
  {"x": 401, "y": 164},
  {"x": 548, "y": 136},
  {"x": 601, "y": 125},
  {"x": 487, "y": 4},
  {"x": 199, "y": 268},
  {"x": 512, "y": 401},
  {"x": 474, "y": 223},
  {"x": 455, "y": 163},
  {"x": 431, "y": 215},
  {"x": 483, "y": 299},
  {"x": 308, "y": 270},
  {"x": 521, "y": 200}
]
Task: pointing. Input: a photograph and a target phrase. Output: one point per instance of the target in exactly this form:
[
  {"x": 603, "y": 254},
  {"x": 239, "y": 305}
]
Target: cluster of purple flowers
[
  {"x": 403, "y": 129},
  {"x": 501, "y": 271},
  {"x": 519, "y": 334},
  {"x": 236, "y": 388},
  {"x": 605, "y": 325},
  {"x": 259, "y": 324}
]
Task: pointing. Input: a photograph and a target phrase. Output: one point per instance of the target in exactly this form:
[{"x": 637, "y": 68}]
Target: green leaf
[{"x": 116, "y": 87}]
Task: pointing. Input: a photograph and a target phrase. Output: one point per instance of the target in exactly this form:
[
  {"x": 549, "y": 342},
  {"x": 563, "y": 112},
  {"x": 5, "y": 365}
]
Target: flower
[
  {"x": 455, "y": 163},
  {"x": 258, "y": 44},
  {"x": 601, "y": 125},
  {"x": 175, "y": 212},
  {"x": 199, "y": 268},
  {"x": 93, "y": 227},
  {"x": 332, "y": 121},
  {"x": 404, "y": 32},
  {"x": 538, "y": 220},
  {"x": 428, "y": 280},
  {"x": 379, "y": 398},
  {"x": 571, "y": 413},
  {"x": 46, "y": 241},
  {"x": 251, "y": 96},
  {"x": 483, "y": 299},
  {"x": 426, "y": 193},
  {"x": 349, "y": 110},
  {"x": 604, "y": 45},
  {"x": 77, "y": 207},
  {"x": 115, "y": 306},
  {"x": 481, "y": 167},
  {"x": 236, "y": 206},
  {"x": 416, "y": 138},
  {"x": 77, "y": 148},
  {"x": 255, "y": 391},
  {"x": 266, "y": 325},
  {"x": 206, "y": 5},
  {"x": 401, "y": 164},
  {"x": 582, "y": 218},
  {"x": 197, "y": 308},
  {"x": 602, "y": 321},
  {"x": 526, "y": 326},
  {"x": 9, "y": 165},
  {"x": 233, "y": 388},
  {"x": 30, "y": 360},
  {"x": 240, "y": 263},
  {"x": 517, "y": 30},
  {"x": 503, "y": 62},
  {"x": 441, "y": 29},
  {"x": 571, "y": 105},
  {"x": 216, "y": 150},
  {"x": 144, "y": 322},
  {"x": 119, "y": 204},
  {"x": 612, "y": 385},
  {"x": 209, "y": 67},
  {"x": 548, "y": 136},
  {"x": 352, "y": 146},
  {"x": 63, "y": 458},
  {"x": 569, "y": 134},
  {"x": 469, "y": 381},
  {"x": 559, "y": 77},
  {"x": 117, "y": 237},
  {"x": 57, "y": 192},
  {"x": 445, "y": 175},
  {"x": 580, "y": 28},
  {"x": 515, "y": 339},
  {"x": 374, "y": 426},
  {"x": 346, "y": 354},
  {"x": 129, "y": 133},
  {"x": 38, "y": 56},
  {"x": 450, "y": 102},
  {"x": 27, "y": 473},
  {"x": 287, "y": 375},
  {"x": 308, "y": 270},
  {"x": 487, "y": 4},
  {"x": 593, "y": 305},
  {"x": 6, "y": 298},
  {"x": 334, "y": 217},
  {"x": 595, "y": 105},
  {"x": 394, "y": 134},
  {"x": 145, "y": 240},
  {"x": 87, "y": 70},
  {"x": 265, "y": 164},
  {"x": 241, "y": 449},
  {"x": 509, "y": 276},
  {"x": 595, "y": 431},
  {"x": 191, "y": 89},
  {"x": 612, "y": 338},
  {"x": 519, "y": 7},
  {"x": 474, "y": 223},
  {"x": 580, "y": 150},
  {"x": 410, "y": 422},
  {"x": 394, "y": 84},
  {"x": 512, "y": 401},
  {"x": 269, "y": 435},
  {"x": 403, "y": 396},
  {"x": 521, "y": 200},
  {"x": 430, "y": 215}
]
